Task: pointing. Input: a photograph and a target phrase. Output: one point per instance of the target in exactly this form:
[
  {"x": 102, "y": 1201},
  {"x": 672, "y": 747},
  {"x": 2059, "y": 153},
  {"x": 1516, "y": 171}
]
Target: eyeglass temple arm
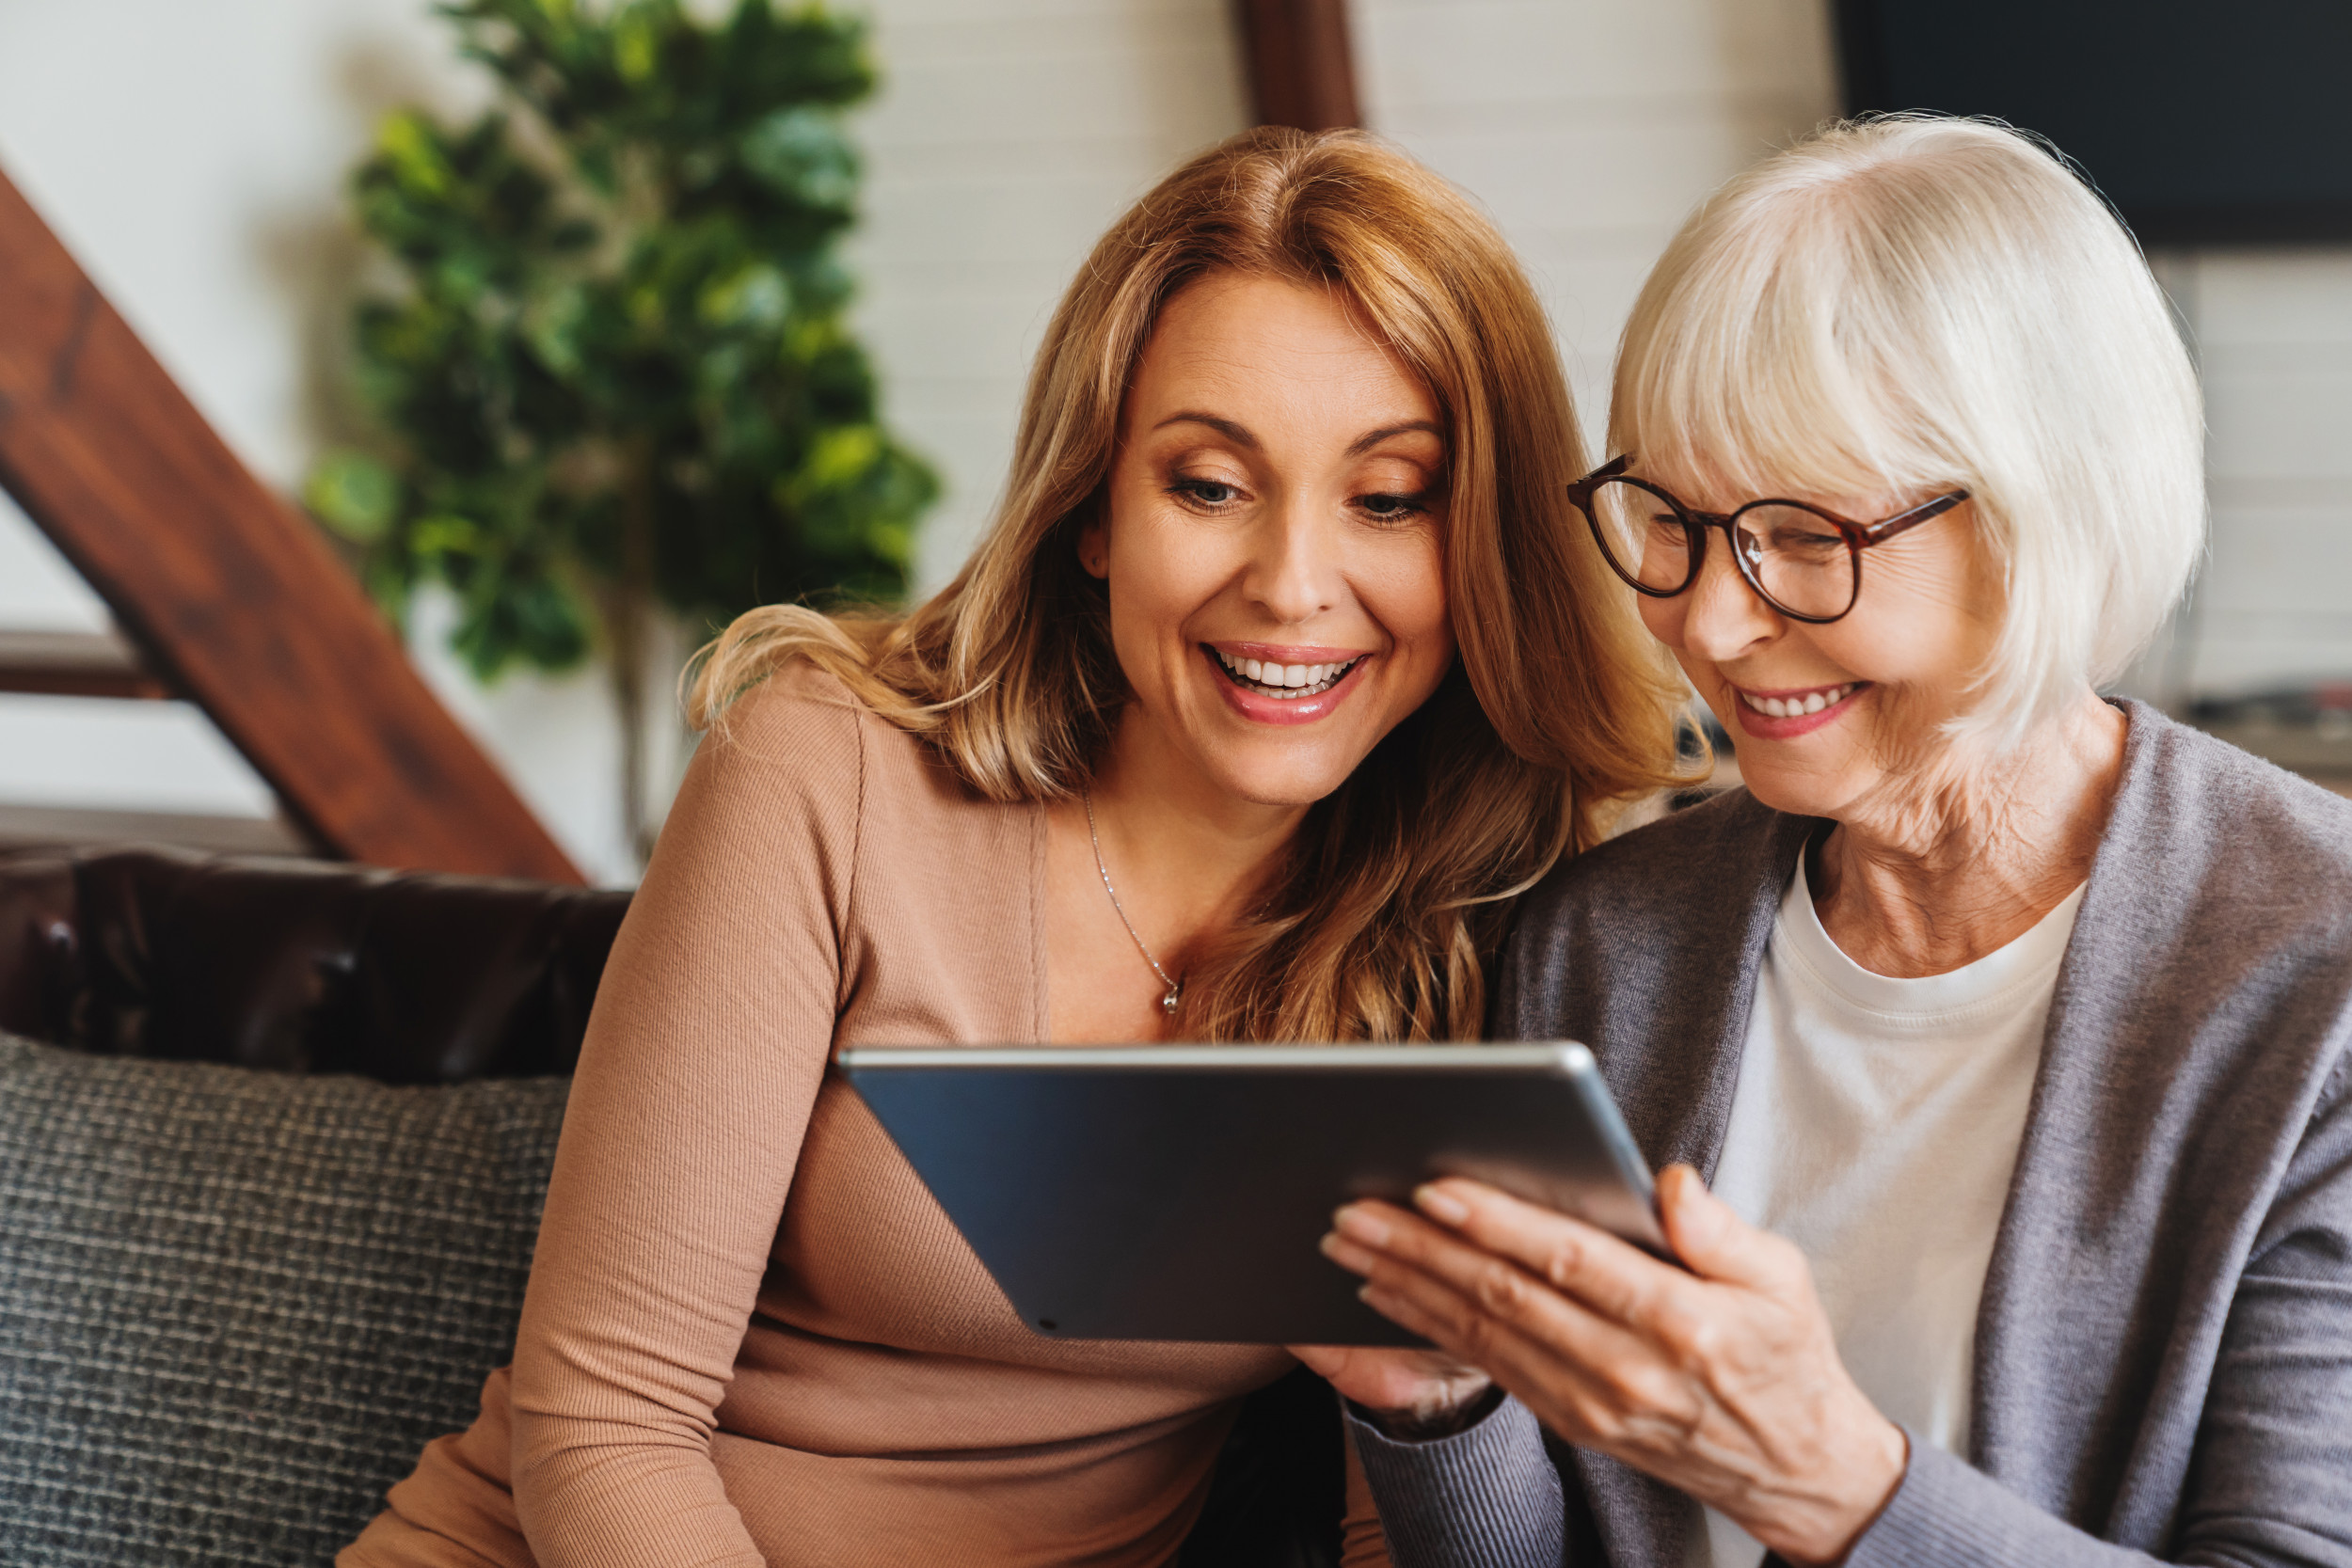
[
  {"x": 1886, "y": 527},
  {"x": 1582, "y": 490}
]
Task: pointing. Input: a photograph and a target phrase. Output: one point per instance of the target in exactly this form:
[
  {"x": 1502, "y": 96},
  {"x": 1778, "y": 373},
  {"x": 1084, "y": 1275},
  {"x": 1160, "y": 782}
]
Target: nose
[
  {"x": 1293, "y": 572},
  {"x": 1722, "y": 617}
]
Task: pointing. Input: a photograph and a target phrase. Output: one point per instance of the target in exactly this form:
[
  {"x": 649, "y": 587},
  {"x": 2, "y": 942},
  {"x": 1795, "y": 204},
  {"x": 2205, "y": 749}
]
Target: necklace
[{"x": 1175, "y": 988}]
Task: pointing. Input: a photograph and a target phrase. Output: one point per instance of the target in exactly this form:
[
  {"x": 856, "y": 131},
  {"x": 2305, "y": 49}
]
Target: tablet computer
[{"x": 1179, "y": 1191}]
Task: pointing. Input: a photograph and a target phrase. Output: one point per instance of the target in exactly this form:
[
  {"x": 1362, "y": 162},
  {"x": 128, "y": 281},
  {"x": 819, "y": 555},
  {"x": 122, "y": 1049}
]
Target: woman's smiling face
[
  {"x": 1272, "y": 541},
  {"x": 1825, "y": 719}
]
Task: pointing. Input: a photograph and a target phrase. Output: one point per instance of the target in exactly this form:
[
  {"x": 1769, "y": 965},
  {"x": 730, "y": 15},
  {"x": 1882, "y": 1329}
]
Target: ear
[{"x": 1094, "y": 546}]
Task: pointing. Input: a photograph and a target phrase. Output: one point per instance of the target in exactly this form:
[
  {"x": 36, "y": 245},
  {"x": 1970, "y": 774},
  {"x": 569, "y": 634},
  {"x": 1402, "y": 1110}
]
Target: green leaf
[
  {"x": 799, "y": 152},
  {"x": 756, "y": 297},
  {"x": 636, "y": 46},
  {"x": 354, "y": 495},
  {"x": 442, "y": 535}
]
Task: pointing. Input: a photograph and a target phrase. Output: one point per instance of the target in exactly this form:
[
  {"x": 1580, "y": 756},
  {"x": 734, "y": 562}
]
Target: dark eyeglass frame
[{"x": 1695, "y": 524}]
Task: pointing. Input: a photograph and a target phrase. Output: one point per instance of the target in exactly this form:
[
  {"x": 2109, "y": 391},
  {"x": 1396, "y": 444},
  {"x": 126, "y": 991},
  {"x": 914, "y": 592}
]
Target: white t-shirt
[{"x": 1876, "y": 1125}]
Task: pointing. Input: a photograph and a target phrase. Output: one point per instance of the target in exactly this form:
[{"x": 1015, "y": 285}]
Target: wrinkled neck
[{"x": 1960, "y": 857}]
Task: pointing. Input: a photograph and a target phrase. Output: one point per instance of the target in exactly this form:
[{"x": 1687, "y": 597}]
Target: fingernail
[
  {"x": 1359, "y": 1226},
  {"x": 1441, "y": 1205}
]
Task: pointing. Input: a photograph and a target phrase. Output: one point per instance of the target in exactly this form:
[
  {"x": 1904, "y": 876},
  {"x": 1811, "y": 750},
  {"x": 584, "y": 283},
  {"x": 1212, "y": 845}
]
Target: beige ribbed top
[{"x": 750, "y": 1335}]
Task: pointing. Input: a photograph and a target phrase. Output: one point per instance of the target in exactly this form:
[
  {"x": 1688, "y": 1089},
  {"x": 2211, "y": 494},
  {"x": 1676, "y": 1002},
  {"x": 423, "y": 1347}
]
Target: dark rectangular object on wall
[
  {"x": 1302, "y": 69},
  {"x": 2203, "y": 123}
]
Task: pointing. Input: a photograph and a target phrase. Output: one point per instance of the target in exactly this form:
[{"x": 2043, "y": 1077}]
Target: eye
[
  {"x": 1209, "y": 493},
  {"x": 1391, "y": 508}
]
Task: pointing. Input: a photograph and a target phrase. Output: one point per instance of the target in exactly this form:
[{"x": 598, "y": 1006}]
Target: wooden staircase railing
[{"x": 227, "y": 595}]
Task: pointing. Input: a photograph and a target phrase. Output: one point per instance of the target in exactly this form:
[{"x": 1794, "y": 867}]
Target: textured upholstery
[
  {"x": 234, "y": 1304},
  {"x": 298, "y": 966},
  {"x": 237, "y": 1303}
]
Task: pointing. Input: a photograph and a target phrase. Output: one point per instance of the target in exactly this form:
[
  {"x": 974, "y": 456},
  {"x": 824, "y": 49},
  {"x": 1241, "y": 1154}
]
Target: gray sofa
[{"x": 236, "y": 1304}]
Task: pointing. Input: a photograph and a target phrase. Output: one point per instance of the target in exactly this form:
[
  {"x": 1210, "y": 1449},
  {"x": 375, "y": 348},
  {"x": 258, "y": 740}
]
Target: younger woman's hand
[{"x": 1410, "y": 1392}]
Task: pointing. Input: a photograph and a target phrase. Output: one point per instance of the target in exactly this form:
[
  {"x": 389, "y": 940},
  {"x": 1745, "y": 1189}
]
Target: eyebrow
[
  {"x": 1372, "y": 439},
  {"x": 1240, "y": 434}
]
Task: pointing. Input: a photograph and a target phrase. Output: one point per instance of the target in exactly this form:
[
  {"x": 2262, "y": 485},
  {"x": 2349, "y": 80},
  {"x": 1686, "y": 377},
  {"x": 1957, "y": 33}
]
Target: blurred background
[{"x": 197, "y": 162}]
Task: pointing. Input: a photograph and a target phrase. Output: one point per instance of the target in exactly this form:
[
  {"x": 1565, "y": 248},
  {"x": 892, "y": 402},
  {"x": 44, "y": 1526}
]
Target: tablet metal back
[{"x": 1179, "y": 1191}]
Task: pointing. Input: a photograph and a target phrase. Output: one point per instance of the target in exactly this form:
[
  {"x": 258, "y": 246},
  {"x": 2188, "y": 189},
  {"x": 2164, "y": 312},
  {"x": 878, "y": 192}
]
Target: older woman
[{"x": 2008, "y": 1023}]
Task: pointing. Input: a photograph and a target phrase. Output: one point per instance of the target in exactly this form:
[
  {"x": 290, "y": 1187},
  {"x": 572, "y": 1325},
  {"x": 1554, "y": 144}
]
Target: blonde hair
[
  {"x": 1394, "y": 888},
  {"x": 1920, "y": 303}
]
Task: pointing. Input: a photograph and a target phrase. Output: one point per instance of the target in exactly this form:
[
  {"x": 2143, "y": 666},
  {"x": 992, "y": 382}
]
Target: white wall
[
  {"x": 193, "y": 155},
  {"x": 2273, "y": 331}
]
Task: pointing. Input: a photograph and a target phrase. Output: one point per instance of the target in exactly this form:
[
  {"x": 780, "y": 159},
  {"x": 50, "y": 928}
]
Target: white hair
[{"x": 1919, "y": 303}]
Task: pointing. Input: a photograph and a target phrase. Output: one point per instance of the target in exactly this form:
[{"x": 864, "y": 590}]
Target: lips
[
  {"x": 1326, "y": 678},
  {"x": 1787, "y": 714},
  {"x": 1283, "y": 681},
  {"x": 1797, "y": 704}
]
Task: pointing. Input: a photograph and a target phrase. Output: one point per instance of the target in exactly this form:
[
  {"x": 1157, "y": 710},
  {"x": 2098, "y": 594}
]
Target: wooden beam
[
  {"x": 1301, "y": 70},
  {"x": 24, "y": 828},
  {"x": 230, "y": 596},
  {"x": 74, "y": 664}
]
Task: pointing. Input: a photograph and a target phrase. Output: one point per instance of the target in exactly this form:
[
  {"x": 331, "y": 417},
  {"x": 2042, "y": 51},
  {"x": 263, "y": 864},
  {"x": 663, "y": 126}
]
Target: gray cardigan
[{"x": 2163, "y": 1347}]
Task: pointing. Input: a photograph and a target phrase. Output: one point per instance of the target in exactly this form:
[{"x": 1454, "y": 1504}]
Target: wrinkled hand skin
[{"x": 1723, "y": 1382}]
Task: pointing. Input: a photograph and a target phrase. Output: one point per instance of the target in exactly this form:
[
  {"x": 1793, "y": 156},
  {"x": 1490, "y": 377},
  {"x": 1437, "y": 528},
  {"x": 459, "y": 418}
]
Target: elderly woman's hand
[{"x": 1723, "y": 1382}]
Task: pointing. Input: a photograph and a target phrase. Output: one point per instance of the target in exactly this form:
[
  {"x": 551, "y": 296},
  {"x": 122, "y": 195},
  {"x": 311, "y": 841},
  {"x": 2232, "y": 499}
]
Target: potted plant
[{"x": 614, "y": 380}]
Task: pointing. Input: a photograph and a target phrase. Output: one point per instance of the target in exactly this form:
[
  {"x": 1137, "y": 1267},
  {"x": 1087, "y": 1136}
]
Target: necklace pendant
[{"x": 1169, "y": 1003}]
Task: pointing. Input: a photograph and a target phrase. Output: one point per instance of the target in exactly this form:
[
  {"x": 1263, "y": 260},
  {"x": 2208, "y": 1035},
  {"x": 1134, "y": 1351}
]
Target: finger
[
  {"x": 1322, "y": 1360},
  {"x": 1348, "y": 1254},
  {"x": 1717, "y": 1243},
  {"x": 1370, "y": 1226},
  {"x": 1486, "y": 1299},
  {"x": 1611, "y": 1277},
  {"x": 1582, "y": 1386}
]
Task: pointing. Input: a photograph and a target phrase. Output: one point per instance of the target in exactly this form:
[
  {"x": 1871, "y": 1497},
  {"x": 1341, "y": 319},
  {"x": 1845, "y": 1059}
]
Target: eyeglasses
[{"x": 1804, "y": 562}]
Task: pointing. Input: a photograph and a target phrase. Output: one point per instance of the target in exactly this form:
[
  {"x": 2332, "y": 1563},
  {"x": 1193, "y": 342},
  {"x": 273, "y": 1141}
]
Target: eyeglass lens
[{"x": 1798, "y": 557}]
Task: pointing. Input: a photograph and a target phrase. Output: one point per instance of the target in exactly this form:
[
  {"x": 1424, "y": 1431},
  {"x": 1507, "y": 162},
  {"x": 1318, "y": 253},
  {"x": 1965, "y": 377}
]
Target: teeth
[
  {"x": 1286, "y": 680},
  {"x": 1795, "y": 707}
]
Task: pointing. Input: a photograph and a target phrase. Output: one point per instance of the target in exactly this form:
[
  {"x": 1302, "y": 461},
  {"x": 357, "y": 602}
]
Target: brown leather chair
[{"x": 293, "y": 967}]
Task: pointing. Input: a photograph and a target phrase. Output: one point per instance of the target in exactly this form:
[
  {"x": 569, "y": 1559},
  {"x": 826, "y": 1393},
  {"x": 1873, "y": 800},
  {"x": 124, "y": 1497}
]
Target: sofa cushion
[{"x": 235, "y": 1305}]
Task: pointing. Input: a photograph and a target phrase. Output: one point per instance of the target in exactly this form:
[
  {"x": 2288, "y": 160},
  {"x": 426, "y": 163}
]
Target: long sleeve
[
  {"x": 1362, "y": 1543},
  {"x": 1484, "y": 1497},
  {"x": 709, "y": 1039}
]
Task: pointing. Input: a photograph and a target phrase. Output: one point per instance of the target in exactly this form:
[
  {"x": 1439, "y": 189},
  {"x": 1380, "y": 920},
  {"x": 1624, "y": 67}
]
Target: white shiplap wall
[
  {"x": 1008, "y": 135},
  {"x": 2273, "y": 332}
]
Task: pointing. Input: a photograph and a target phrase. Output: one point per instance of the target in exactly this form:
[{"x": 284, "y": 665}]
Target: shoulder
[
  {"x": 2242, "y": 838},
  {"x": 806, "y": 722},
  {"x": 799, "y": 715},
  {"x": 804, "y": 745},
  {"x": 1701, "y": 856},
  {"x": 1658, "y": 923}
]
